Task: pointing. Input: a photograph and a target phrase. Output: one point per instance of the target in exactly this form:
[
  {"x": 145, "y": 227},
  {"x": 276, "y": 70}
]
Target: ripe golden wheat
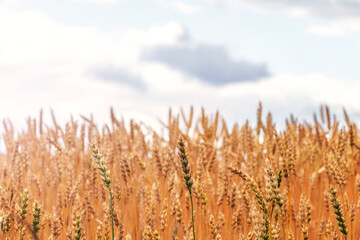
[{"x": 201, "y": 180}]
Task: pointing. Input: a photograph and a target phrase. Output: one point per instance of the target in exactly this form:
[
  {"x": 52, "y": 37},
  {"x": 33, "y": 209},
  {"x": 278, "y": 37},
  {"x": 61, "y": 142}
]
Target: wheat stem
[{"x": 112, "y": 213}]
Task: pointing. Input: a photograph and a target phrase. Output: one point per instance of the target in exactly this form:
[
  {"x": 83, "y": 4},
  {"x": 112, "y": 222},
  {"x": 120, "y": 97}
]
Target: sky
[{"x": 142, "y": 57}]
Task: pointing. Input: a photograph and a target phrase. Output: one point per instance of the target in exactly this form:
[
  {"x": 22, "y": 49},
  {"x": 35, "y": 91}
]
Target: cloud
[
  {"x": 118, "y": 75},
  {"x": 10, "y": 2},
  {"x": 333, "y": 30},
  {"x": 209, "y": 63},
  {"x": 325, "y": 8},
  {"x": 53, "y": 44},
  {"x": 181, "y": 6},
  {"x": 98, "y": 1},
  {"x": 338, "y": 28},
  {"x": 185, "y": 7},
  {"x": 44, "y": 64}
]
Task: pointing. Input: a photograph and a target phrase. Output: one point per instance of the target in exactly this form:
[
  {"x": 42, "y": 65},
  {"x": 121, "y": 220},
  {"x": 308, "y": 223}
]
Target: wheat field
[{"x": 202, "y": 180}]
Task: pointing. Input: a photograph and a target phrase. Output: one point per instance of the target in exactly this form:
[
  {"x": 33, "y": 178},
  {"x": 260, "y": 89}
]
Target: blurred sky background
[{"x": 144, "y": 56}]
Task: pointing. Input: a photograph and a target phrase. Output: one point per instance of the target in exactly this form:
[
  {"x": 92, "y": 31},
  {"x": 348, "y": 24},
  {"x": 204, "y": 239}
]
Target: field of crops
[{"x": 203, "y": 180}]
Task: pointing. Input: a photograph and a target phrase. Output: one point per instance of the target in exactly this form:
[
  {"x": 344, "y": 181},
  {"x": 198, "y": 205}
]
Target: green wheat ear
[
  {"x": 24, "y": 204},
  {"x": 36, "y": 217},
  {"x": 105, "y": 176},
  {"x": 185, "y": 164},
  {"x": 339, "y": 214},
  {"x": 187, "y": 176}
]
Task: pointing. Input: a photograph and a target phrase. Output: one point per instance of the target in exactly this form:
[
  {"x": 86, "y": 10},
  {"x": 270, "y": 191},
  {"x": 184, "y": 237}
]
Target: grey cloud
[
  {"x": 320, "y": 8},
  {"x": 119, "y": 75},
  {"x": 211, "y": 64}
]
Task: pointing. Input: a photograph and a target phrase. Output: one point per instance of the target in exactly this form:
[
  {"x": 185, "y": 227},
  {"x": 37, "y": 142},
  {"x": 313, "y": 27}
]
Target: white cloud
[
  {"x": 180, "y": 6},
  {"x": 328, "y": 9},
  {"x": 315, "y": 87},
  {"x": 34, "y": 38},
  {"x": 99, "y": 1},
  {"x": 10, "y": 2},
  {"x": 45, "y": 64},
  {"x": 339, "y": 28},
  {"x": 184, "y": 7},
  {"x": 333, "y": 30},
  {"x": 297, "y": 12}
]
